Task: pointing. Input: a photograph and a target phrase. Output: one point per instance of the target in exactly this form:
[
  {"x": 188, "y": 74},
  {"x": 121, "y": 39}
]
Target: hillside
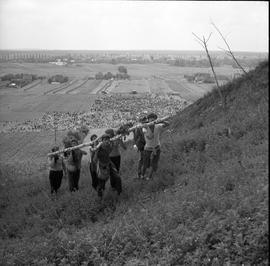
[{"x": 207, "y": 205}]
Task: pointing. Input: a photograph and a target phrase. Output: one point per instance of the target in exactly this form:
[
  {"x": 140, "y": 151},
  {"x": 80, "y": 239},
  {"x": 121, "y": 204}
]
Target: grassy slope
[{"x": 208, "y": 204}]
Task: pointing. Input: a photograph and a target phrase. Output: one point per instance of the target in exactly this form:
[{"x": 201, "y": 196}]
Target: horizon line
[{"x": 127, "y": 50}]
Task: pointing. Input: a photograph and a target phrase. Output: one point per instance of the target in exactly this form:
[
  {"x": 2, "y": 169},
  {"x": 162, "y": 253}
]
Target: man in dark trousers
[
  {"x": 139, "y": 141},
  {"x": 105, "y": 169},
  {"x": 92, "y": 165},
  {"x": 73, "y": 164},
  {"x": 115, "y": 154}
]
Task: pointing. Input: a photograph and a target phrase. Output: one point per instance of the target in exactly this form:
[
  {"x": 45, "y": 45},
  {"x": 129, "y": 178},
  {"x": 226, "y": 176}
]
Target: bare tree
[
  {"x": 230, "y": 53},
  {"x": 203, "y": 43}
]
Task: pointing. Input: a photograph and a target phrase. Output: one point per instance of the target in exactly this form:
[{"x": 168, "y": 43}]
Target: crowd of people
[
  {"x": 107, "y": 111},
  {"x": 105, "y": 155}
]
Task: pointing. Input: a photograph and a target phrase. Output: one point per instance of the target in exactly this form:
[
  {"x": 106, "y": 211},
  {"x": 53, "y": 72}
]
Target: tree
[
  {"x": 108, "y": 75},
  {"x": 203, "y": 43},
  {"x": 122, "y": 69},
  {"x": 230, "y": 53},
  {"x": 99, "y": 75}
]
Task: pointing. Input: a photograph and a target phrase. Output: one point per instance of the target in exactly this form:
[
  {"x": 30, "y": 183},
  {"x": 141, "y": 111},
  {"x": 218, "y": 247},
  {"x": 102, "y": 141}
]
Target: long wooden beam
[{"x": 111, "y": 139}]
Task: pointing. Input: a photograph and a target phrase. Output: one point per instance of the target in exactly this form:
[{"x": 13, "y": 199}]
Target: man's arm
[{"x": 162, "y": 125}]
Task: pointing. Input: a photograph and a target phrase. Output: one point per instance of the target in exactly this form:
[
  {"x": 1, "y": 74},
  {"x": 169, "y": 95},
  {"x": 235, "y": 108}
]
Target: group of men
[{"x": 105, "y": 156}]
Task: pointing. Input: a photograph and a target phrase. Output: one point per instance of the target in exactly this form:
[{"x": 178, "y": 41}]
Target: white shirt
[{"x": 152, "y": 138}]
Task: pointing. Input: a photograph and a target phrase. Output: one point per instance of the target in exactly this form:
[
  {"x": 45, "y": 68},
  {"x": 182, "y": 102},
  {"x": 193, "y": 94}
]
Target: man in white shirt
[{"x": 152, "y": 145}]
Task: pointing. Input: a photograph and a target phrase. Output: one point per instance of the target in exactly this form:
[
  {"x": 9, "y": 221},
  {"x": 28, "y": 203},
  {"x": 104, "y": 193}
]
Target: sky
[{"x": 132, "y": 25}]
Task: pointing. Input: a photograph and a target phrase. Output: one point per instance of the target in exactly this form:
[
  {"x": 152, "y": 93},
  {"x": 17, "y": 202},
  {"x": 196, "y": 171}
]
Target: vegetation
[
  {"x": 207, "y": 205},
  {"x": 122, "y": 69},
  {"x": 20, "y": 80},
  {"x": 246, "y": 62},
  {"x": 122, "y": 74},
  {"x": 58, "y": 78}
]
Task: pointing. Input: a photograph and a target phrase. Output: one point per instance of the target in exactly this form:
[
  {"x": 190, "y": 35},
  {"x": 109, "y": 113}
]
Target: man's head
[
  {"x": 152, "y": 117},
  {"x": 84, "y": 129},
  {"x": 67, "y": 142},
  {"x": 73, "y": 134},
  {"x": 74, "y": 142},
  {"x": 93, "y": 137},
  {"x": 110, "y": 132},
  {"x": 143, "y": 119},
  {"x": 105, "y": 137},
  {"x": 55, "y": 148}
]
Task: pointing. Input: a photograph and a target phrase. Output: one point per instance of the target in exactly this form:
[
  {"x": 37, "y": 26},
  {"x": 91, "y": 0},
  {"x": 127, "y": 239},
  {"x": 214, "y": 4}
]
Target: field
[
  {"x": 77, "y": 94},
  {"x": 127, "y": 86}
]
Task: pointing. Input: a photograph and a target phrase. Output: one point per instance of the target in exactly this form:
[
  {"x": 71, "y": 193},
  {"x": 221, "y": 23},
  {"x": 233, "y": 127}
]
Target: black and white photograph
[{"x": 134, "y": 133}]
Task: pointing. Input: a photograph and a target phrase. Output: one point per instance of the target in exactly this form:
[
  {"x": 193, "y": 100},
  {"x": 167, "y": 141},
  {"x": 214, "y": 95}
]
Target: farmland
[
  {"x": 77, "y": 94},
  {"x": 127, "y": 86}
]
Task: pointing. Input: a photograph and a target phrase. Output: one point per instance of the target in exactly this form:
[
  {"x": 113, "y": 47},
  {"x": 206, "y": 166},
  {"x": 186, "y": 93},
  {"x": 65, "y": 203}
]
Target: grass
[{"x": 207, "y": 205}]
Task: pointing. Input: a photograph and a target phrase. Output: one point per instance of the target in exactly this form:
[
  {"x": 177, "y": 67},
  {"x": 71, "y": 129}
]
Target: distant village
[{"x": 176, "y": 58}]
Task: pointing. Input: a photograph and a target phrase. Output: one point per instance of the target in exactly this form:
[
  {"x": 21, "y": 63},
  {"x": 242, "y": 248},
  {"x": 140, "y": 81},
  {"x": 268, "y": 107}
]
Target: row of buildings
[{"x": 121, "y": 56}]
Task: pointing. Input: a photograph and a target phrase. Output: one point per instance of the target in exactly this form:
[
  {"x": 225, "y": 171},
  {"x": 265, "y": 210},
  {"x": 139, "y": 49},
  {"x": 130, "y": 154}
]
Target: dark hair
[
  {"x": 152, "y": 115},
  {"x": 110, "y": 132},
  {"x": 94, "y": 136},
  {"x": 123, "y": 129},
  {"x": 105, "y": 136},
  {"x": 143, "y": 119},
  {"x": 73, "y": 135}
]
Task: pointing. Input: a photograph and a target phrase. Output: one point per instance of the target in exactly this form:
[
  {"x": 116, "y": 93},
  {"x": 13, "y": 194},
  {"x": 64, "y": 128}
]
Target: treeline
[
  {"x": 109, "y": 75},
  {"x": 195, "y": 63},
  {"x": 217, "y": 62},
  {"x": 205, "y": 78},
  {"x": 20, "y": 80},
  {"x": 58, "y": 78},
  {"x": 122, "y": 74}
]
